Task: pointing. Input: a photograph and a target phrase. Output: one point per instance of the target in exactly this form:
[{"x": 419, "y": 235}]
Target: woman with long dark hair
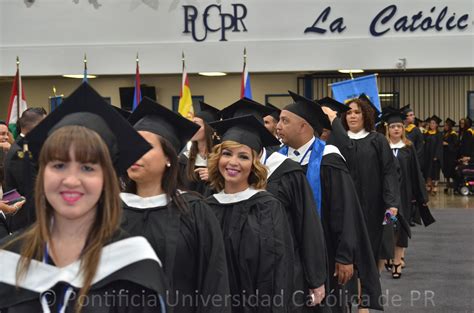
[
  {"x": 433, "y": 155},
  {"x": 75, "y": 258},
  {"x": 256, "y": 233},
  {"x": 193, "y": 162},
  {"x": 180, "y": 226}
]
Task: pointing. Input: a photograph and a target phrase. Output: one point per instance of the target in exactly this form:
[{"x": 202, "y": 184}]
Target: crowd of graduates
[{"x": 246, "y": 209}]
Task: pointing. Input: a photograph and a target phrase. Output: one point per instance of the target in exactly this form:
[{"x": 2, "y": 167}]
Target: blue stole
[{"x": 313, "y": 173}]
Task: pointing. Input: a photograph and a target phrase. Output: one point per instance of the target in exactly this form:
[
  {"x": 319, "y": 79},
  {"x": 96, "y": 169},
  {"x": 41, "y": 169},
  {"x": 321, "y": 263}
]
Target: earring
[{"x": 168, "y": 164}]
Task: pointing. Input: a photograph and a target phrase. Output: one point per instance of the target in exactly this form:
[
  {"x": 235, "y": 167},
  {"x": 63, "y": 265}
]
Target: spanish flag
[{"x": 185, "y": 107}]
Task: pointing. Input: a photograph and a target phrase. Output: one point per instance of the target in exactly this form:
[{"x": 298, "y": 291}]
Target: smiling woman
[
  {"x": 256, "y": 233},
  {"x": 68, "y": 250}
]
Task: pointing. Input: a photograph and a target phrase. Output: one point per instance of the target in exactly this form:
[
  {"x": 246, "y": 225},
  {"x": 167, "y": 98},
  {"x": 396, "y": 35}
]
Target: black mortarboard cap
[
  {"x": 246, "y": 130},
  {"x": 364, "y": 97},
  {"x": 125, "y": 114},
  {"x": 333, "y": 104},
  {"x": 435, "y": 118},
  {"x": 153, "y": 117},
  {"x": 276, "y": 111},
  {"x": 310, "y": 111},
  {"x": 246, "y": 106},
  {"x": 85, "y": 107},
  {"x": 450, "y": 122},
  {"x": 392, "y": 115},
  {"x": 406, "y": 109},
  {"x": 207, "y": 112}
]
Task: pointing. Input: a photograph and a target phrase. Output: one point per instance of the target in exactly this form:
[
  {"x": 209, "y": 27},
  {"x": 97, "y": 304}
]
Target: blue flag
[{"x": 353, "y": 88}]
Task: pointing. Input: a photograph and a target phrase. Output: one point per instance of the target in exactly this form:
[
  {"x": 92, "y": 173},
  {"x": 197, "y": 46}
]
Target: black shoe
[
  {"x": 388, "y": 265},
  {"x": 412, "y": 223},
  {"x": 396, "y": 274}
]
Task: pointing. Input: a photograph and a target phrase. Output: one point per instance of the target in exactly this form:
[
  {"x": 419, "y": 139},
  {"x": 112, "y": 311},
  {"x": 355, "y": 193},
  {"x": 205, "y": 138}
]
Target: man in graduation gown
[
  {"x": 336, "y": 201},
  {"x": 412, "y": 132},
  {"x": 287, "y": 182},
  {"x": 20, "y": 172}
]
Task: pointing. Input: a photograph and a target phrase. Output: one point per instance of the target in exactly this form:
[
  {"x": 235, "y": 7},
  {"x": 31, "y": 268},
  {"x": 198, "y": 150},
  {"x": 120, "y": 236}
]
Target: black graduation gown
[
  {"x": 191, "y": 248},
  {"x": 201, "y": 187},
  {"x": 412, "y": 187},
  {"x": 433, "y": 150},
  {"x": 450, "y": 153},
  {"x": 129, "y": 279},
  {"x": 288, "y": 184},
  {"x": 20, "y": 175},
  {"x": 347, "y": 239},
  {"x": 414, "y": 134},
  {"x": 374, "y": 172},
  {"x": 259, "y": 251},
  {"x": 466, "y": 143}
]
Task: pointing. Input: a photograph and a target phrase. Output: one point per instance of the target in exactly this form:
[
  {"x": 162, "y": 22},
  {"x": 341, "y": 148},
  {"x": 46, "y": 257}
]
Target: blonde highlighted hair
[
  {"x": 405, "y": 139},
  {"x": 258, "y": 174},
  {"x": 88, "y": 147}
]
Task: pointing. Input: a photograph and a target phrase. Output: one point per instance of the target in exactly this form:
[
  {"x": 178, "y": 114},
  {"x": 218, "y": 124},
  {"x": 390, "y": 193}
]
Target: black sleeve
[
  {"x": 418, "y": 182},
  {"x": 420, "y": 143},
  {"x": 212, "y": 275},
  {"x": 339, "y": 138},
  {"x": 274, "y": 274},
  {"x": 307, "y": 227},
  {"x": 439, "y": 147},
  {"x": 12, "y": 170},
  {"x": 391, "y": 182}
]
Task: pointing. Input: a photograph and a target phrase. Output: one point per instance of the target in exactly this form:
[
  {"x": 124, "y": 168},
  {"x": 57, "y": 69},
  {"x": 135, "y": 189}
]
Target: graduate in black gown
[
  {"x": 433, "y": 155},
  {"x": 180, "y": 226},
  {"x": 413, "y": 133},
  {"x": 466, "y": 138},
  {"x": 343, "y": 222},
  {"x": 193, "y": 161},
  {"x": 75, "y": 258},
  {"x": 412, "y": 184},
  {"x": 271, "y": 121},
  {"x": 287, "y": 181},
  {"x": 256, "y": 233},
  {"x": 372, "y": 167},
  {"x": 450, "y": 152}
]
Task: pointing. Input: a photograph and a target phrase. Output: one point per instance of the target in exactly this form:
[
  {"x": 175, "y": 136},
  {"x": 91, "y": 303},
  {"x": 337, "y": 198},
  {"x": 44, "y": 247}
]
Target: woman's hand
[
  {"x": 330, "y": 113},
  {"x": 203, "y": 173},
  {"x": 393, "y": 211},
  {"x": 343, "y": 272},
  {"x": 11, "y": 209}
]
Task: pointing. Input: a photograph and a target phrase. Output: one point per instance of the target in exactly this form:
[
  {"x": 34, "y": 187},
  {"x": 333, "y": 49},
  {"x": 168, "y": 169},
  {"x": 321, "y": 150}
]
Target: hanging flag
[
  {"x": 17, "y": 104},
  {"x": 353, "y": 88},
  {"x": 137, "y": 93},
  {"x": 185, "y": 107},
  {"x": 245, "y": 89},
  {"x": 84, "y": 79}
]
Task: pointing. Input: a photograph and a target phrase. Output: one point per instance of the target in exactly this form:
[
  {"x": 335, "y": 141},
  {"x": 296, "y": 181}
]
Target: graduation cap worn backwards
[
  {"x": 246, "y": 130},
  {"x": 155, "y": 118},
  {"x": 207, "y": 113},
  {"x": 310, "y": 111},
  {"x": 85, "y": 107},
  {"x": 246, "y": 106}
]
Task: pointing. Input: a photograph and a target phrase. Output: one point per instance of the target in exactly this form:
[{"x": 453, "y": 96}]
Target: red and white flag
[{"x": 17, "y": 104}]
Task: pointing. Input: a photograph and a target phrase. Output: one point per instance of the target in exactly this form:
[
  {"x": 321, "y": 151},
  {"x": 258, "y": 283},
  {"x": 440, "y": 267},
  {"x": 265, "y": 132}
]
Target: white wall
[{"x": 52, "y": 36}]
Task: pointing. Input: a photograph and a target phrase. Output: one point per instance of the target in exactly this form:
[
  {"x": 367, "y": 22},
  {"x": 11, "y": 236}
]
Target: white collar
[
  {"x": 359, "y": 135},
  {"x": 42, "y": 276},
  {"x": 225, "y": 198},
  {"x": 397, "y": 145},
  {"x": 135, "y": 201},
  {"x": 328, "y": 149},
  {"x": 301, "y": 149},
  {"x": 273, "y": 162},
  {"x": 200, "y": 161}
]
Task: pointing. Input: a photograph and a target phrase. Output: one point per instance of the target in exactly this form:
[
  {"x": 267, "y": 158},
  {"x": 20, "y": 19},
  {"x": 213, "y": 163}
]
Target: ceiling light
[
  {"x": 350, "y": 71},
  {"x": 212, "y": 74},
  {"x": 79, "y": 76}
]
